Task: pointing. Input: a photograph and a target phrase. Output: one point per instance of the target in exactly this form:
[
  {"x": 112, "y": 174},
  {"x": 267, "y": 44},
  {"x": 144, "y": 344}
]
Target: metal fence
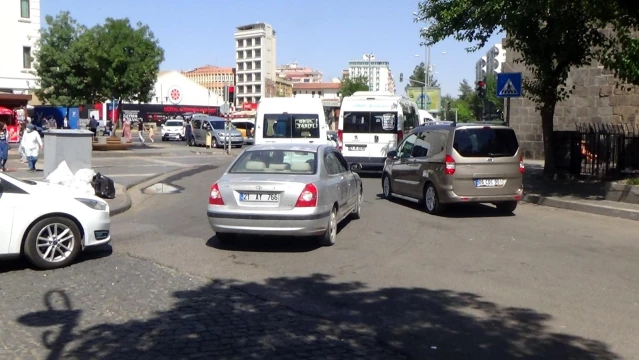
[{"x": 599, "y": 150}]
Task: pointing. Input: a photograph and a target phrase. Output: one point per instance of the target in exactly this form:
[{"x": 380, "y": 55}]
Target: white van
[
  {"x": 290, "y": 120},
  {"x": 373, "y": 123}
]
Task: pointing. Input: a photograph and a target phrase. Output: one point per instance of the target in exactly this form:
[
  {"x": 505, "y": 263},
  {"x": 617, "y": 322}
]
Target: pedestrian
[
  {"x": 65, "y": 123},
  {"x": 93, "y": 125},
  {"x": 141, "y": 131},
  {"x": 188, "y": 132},
  {"x": 23, "y": 155},
  {"x": 126, "y": 130},
  {"x": 32, "y": 144},
  {"x": 151, "y": 131},
  {"x": 4, "y": 147}
]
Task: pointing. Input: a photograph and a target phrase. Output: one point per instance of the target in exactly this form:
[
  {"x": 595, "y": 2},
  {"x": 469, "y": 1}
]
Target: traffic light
[
  {"x": 448, "y": 106},
  {"x": 231, "y": 94},
  {"x": 401, "y": 77},
  {"x": 481, "y": 89}
]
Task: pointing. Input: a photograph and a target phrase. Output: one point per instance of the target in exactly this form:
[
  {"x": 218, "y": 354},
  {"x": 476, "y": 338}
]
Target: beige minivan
[{"x": 448, "y": 163}]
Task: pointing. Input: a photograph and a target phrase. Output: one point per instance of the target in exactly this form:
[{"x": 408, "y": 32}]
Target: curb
[{"x": 595, "y": 209}]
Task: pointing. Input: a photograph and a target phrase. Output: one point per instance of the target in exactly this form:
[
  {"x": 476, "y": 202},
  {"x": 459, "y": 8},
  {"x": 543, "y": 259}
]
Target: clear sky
[{"x": 322, "y": 34}]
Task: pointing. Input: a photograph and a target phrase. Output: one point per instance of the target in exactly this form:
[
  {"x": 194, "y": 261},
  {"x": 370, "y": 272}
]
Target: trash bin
[
  {"x": 72, "y": 146},
  {"x": 209, "y": 139}
]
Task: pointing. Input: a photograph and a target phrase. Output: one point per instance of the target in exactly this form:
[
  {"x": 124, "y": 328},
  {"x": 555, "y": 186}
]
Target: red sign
[
  {"x": 249, "y": 106},
  {"x": 187, "y": 109}
]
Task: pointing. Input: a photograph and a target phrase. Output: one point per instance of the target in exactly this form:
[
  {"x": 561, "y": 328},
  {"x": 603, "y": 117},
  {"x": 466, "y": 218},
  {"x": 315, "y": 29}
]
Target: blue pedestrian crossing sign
[{"x": 509, "y": 85}]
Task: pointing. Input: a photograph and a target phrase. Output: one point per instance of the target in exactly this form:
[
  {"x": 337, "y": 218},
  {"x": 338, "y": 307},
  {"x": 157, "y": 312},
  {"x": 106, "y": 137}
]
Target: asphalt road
[{"x": 545, "y": 283}]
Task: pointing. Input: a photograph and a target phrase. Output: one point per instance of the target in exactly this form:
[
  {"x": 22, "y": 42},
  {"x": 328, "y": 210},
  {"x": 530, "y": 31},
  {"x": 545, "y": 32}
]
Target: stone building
[{"x": 599, "y": 98}]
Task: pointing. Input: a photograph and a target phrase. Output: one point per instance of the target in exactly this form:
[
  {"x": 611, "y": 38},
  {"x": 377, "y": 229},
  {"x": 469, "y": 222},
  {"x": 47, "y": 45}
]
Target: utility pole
[{"x": 370, "y": 74}]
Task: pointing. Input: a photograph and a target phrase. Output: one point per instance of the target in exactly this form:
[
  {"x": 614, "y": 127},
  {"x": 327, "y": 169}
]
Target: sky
[{"x": 323, "y": 35}]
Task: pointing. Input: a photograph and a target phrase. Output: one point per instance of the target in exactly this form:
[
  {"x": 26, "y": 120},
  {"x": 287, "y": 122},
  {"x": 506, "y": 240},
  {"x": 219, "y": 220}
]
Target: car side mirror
[
  {"x": 356, "y": 166},
  {"x": 391, "y": 154}
]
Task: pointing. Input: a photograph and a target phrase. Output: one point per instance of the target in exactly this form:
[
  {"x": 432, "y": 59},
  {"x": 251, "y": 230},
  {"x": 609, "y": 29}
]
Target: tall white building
[
  {"x": 255, "y": 54},
  {"x": 380, "y": 79},
  {"x": 20, "y": 29},
  {"x": 491, "y": 63}
]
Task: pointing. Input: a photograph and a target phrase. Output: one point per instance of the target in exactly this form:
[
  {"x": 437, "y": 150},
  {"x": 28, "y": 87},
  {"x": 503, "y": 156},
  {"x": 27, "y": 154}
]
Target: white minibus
[
  {"x": 290, "y": 120},
  {"x": 373, "y": 123}
]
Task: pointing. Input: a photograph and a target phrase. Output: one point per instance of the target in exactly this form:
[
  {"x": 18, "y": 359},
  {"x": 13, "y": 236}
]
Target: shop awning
[{"x": 14, "y": 100}]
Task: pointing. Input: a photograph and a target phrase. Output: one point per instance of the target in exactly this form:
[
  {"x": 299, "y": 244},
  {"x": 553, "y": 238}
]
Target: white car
[
  {"x": 49, "y": 224},
  {"x": 173, "y": 130}
]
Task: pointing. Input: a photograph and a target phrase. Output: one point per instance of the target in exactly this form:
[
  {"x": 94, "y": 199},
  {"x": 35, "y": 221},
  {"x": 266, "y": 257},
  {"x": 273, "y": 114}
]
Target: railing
[{"x": 598, "y": 150}]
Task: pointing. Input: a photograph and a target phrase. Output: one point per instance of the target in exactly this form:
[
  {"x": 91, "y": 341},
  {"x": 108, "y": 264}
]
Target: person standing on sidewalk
[
  {"x": 23, "y": 129},
  {"x": 4, "y": 147},
  {"x": 141, "y": 131},
  {"x": 188, "y": 132},
  {"x": 32, "y": 144},
  {"x": 93, "y": 125}
]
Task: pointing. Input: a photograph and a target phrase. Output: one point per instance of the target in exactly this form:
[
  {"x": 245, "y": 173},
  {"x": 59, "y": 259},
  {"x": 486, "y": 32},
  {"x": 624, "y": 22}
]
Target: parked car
[
  {"x": 49, "y": 224},
  {"x": 173, "y": 130},
  {"x": 246, "y": 126},
  {"x": 203, "y": 124},
  {"x": 286, "y": 190},
  {"x": 440, "y": 164}
]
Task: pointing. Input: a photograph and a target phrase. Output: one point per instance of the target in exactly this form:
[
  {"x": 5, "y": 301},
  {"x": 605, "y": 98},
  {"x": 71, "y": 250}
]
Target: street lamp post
[{"x": 370, "y": 76}]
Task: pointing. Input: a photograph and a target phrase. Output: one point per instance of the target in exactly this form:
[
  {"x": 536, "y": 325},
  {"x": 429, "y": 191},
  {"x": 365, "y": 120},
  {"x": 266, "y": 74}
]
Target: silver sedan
[{"x": 286, "y": 190}]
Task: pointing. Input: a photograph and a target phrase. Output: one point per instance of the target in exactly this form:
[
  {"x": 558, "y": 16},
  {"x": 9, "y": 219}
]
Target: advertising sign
[{"x": 431, "y": 101}]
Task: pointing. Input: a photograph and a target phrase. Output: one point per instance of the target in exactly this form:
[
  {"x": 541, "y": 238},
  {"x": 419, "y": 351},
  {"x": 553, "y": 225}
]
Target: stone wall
[{"x": 598, "y": 97}]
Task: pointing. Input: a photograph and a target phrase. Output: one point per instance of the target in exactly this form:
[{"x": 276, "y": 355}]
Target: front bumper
[
  {"x": 172, "y": 135},
  {"x": 269, "y": 223},
  {"x": 97, "y": 228}
]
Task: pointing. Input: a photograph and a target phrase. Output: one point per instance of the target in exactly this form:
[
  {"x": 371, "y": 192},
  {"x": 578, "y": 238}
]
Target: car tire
[
  {"x": 164, "y": 139},
  {"x": 48, "y": 231},
  {"x": 507, "y": 207},
  {"x": 431, "y": 200},
  {"x": 213, "y": 143},
  {"x": 357, "y": 212},
  {"x": 328, "y": 238},
  {"x": 225, "y": 238},
  {"x": 387, "y": 190}
]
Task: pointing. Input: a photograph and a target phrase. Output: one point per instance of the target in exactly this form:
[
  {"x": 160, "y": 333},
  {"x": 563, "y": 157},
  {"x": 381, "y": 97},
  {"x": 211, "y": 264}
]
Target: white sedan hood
[{"x": 46, "y": 189}]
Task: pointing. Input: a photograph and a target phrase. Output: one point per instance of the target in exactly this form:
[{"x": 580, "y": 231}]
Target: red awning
[{"x": 5, "y": 111}]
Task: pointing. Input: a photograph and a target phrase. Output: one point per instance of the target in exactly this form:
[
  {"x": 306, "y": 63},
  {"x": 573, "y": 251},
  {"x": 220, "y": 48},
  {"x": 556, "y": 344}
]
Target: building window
[
  {"x": 319, "y": 94},
  {"x": 258, "y": 65},
  {"x": 240, "y": 43},
  {"x": 258, "y": 53},
  {"x": 312, "y": 93},
  {"x": 26, "y": 57},
  {"x": 25, "y": 9},
  {"x": 258, "y": 41}
]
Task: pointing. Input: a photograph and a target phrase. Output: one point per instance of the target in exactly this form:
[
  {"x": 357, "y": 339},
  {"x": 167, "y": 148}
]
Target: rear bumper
[
  {"x": 450, "y": 197},
  {"x": 368, "y": 163},
  {"x": 234, "y": 140},
  {"x": 268, "y": 224}
]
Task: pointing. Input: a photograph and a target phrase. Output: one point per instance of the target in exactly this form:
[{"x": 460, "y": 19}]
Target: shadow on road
[
  {"x": 217, "y": 321},
  {"x": 535, "y": 183},
  {"x": 453, "y": 211}
]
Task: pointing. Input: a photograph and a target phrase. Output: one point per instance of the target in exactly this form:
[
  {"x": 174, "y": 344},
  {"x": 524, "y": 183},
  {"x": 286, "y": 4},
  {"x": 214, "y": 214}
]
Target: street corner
[{"x": 121, "y": 202}]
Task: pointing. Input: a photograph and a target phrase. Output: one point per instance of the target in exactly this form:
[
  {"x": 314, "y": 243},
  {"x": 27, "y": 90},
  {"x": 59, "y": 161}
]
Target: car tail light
[
  {"x": 308, "y": 197},
  {"x": 340, "y": 137},
  {"x": 400, "y": 136},
  {"x": 521, "y": 164},
  {"x": 450, "y": 165},
  {"x": 215, "y": 197}
]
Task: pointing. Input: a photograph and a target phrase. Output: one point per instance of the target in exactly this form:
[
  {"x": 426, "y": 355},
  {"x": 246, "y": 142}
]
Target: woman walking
[
  {"x": 126, "y": 130},
  {"x": 23, "y": 129},
  {"x": 141, "y": 131},
  {"x": 32, "y": 144},
  {"x": 151, "y": 133},
  {"x": 4, "y": 147}
]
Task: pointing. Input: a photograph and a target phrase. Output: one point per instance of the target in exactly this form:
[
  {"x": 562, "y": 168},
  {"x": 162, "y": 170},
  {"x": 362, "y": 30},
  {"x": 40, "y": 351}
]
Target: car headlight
[{"x": 93, "y": 204}]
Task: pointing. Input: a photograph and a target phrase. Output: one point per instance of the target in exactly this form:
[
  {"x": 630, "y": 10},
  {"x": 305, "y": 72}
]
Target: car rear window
[
  {"x": 364, "y": 122},
  {"x": 276, "y": 162},
  {"x": 485, "y": 142},
  {"x": 296, "y": 126}
]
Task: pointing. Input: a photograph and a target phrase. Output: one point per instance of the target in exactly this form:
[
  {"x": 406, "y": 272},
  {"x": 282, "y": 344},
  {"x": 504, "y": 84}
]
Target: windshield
[
  {"x": 364, "y": 122},
  {"x": 174, "y": 123},
  {"x": 485, "y": 142},
  {"x": 217, "y": 125},
  {"x": 276, "y": 162},
  {"x": 291, "y": 126}
]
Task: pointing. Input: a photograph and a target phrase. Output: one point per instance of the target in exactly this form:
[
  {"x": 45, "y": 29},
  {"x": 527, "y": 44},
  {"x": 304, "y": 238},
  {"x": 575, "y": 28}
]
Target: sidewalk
[{"x": 578, "y": 195}]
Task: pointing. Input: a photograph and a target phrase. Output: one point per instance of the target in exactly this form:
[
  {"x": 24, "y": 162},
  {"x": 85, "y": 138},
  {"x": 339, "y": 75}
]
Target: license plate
[
  {"x": 490, "y": 182},
  {"x": 259, "y": 197},
  {"x": 356, "y": 148}
]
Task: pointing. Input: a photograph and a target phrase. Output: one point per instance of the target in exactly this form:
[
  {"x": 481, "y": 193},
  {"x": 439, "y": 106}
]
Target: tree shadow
[
  {"x": 221, "y": 321},
  {"x": 536, "y": 183}
]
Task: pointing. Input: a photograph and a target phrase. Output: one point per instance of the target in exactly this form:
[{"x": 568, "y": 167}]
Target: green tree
[
  {"x": 418, "y": 78},
  {"x": 123, "y": 60},
  {"x": 465, "y": 90},
  {"x": 491, "y": 92},
  {"x": 551, "y": 36},
  {"x": 351, "y": 84},
  {"x": 59, "y": 63}
]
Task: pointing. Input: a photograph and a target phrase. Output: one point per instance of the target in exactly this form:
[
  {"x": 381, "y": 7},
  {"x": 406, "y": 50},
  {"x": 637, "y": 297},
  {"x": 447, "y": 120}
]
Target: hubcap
[
  {"x": 386, "y": 186},
  {"x": 55, "y": 242},
  {"x": 333, "y": 226},
  {"x": 359, "y": 203},
  {"x": 430, "y": 198}
]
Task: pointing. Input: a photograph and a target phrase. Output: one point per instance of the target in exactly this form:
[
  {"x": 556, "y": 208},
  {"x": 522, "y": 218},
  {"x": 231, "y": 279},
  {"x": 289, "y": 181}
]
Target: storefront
[{"x": 12, "y": 110}]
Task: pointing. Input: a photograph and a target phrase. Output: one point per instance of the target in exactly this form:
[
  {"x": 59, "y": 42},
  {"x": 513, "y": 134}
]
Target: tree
[
  {"x": 351, "y": 84},
  {"x": 465, "y": 90},
  {"x": 551, "y": 36},
  {"x": 418, "y": 78},
  {"x": 126, "y": 63},
  {"x": 59, "y": 63}
]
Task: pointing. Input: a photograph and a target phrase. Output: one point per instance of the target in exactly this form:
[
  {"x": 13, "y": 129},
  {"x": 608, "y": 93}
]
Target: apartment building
[
  {"x": 20, "y": 25},
  {"x": 380, "y": 78},
  {"x": 212, "y": 77},
  {"x": 255, "y": 54},
  {"x": 295, "y": 73},
  {"x": 491, "y": 63}
]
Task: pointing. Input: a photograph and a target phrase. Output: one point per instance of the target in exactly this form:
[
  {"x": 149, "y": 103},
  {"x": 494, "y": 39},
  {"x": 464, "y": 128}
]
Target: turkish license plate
[
  {"x": 356, "y": 148},
  {"x": 259, "y": 197},
  {"x": 490, "y": 182}
]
